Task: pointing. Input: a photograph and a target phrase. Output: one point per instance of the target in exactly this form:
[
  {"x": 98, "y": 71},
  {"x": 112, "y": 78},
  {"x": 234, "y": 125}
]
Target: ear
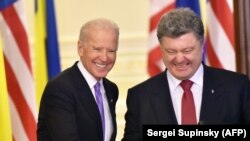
[{"x": 79, "y": 48}]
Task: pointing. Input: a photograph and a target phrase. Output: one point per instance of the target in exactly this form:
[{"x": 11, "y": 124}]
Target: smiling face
[
  {"x": 182, "y": 55},
  {"x": 98, "y": 52}
]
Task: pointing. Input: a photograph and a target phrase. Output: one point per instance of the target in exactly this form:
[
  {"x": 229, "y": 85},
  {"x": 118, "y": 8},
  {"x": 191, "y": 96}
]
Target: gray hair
[
  {"x": 101, "y": 23},
  {"x": 178, "y": 22}
]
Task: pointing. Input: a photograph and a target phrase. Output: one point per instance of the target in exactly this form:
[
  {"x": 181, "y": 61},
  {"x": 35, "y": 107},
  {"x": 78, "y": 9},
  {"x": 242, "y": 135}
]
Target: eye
[
  {"x": 96, "y": 49},
  {"x": 170, "y": 51},
  {"x": 112, "y": 51},
  {"x": 187, "y": 50}
]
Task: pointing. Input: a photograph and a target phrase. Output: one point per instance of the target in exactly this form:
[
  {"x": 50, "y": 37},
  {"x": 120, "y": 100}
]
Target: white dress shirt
[
  {"x": 91, "y": 82},
  {"x": 176, "y": 92}
]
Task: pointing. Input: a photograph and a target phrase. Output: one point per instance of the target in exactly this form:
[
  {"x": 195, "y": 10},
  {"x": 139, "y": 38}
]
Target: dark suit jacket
[
  {"x": 150, "y": 102},
  {"x": 68, "y": 111}
]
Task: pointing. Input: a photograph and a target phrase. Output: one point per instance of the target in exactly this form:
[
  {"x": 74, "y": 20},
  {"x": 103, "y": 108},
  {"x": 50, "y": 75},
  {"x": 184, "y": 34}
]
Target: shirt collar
[
  {"x": 197, "y": 78},
  {"x": 88, "y": 77}
]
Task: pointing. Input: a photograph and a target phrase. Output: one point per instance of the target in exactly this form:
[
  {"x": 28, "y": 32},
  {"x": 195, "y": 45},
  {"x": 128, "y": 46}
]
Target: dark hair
[{"x": 178, "y": 22}]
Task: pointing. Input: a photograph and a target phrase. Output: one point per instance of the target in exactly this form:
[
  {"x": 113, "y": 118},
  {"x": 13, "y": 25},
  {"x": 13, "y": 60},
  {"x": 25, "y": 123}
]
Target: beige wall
[{"x": 131, "y": 15}]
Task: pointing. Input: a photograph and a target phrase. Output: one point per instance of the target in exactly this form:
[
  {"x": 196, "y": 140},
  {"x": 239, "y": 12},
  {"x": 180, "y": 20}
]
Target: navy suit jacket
[
  {"x": 150, "y": 102},
  {"x": 68, "y": 111}
]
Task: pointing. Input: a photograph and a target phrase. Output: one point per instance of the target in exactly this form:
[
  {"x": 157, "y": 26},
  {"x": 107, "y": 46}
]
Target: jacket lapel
[
  {"x": 112, "y": 98},
  {"x": 212, "y": 98},
  {"x": 85, "y": 94},
  {"x": 161, "y": 101}
]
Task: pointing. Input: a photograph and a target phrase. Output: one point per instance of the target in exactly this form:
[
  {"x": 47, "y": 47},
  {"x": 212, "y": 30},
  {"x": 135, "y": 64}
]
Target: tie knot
[
  {"x": 97, "y": 84},
  {"x": 186, "y": 84}
]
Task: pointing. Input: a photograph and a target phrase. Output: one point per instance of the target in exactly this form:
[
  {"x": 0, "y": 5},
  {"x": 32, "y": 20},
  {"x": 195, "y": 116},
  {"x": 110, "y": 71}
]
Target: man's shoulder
[
  {"x": 152, "y": 81},
  {"x": 223, "y": 73},
  {"x": 66, "y": 75}
]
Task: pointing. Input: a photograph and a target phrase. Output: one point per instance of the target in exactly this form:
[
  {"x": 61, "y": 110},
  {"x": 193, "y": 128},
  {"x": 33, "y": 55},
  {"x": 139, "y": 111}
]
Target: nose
[
  {"x": 179, "y": 57},
  {"x": 104, "y": 56}
]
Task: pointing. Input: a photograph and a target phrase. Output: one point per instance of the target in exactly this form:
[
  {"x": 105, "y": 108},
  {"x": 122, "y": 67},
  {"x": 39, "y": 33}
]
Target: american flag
[
  {"x": 20, "y": 81},
  {"x": 219, "y": 46},
  {"x": 157, "y": 9},
  {"x": 220, "y": 41}
]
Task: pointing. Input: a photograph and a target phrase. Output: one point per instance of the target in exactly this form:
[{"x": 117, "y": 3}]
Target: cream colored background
[{"x": 132, "y": 16}]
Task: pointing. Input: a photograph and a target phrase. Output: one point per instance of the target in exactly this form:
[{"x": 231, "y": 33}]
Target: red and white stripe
[
  {"x": 220, "y": 35},
  {"x": 157, "y": 9},
  {"x": 20, "y": 81}
]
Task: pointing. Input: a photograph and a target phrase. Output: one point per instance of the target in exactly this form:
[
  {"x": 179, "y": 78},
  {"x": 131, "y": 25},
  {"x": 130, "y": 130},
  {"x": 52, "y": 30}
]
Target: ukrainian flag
[
  {"x": 5, "y": 124},
  {"x": 193, "y": 4},
  {"x": 47, "y": 59}
]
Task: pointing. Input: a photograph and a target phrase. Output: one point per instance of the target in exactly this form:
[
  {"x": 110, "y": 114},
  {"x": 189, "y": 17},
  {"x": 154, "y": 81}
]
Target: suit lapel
[
  {"x": 212, "y": 98},
  {"x": 85, "y": 94},
  {"x": 110, "y": 95},
  {"x": 161, "y": 101},
  {"x": 111, "y": 98}
]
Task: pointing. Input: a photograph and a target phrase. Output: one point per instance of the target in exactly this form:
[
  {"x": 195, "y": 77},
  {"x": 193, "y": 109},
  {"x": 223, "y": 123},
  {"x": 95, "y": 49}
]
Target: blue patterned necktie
[{"x": 99, "y": 102}]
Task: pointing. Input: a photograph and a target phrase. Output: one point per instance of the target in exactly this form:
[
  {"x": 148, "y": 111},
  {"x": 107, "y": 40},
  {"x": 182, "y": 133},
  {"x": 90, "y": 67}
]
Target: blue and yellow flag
[
  {"x": 193, "y": 4},
  {"x": 47, "y": 59}
]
